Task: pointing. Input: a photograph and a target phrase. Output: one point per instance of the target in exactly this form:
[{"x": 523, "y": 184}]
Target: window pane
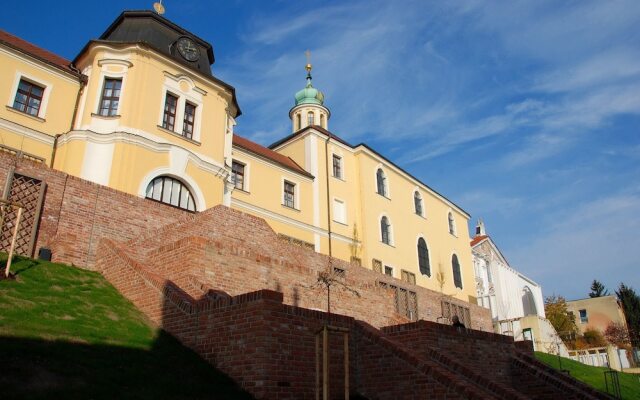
[
  {"x": 166, "y": 190},
  {"x": 175, "y": 193},
  {"x": 157, "y": 189}
]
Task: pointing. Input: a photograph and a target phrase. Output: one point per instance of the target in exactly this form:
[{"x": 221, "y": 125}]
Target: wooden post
[
  {"x": 325, "y": 363},
  {"x": 346, "y": 365},
  {"x": 13, "y": 242}
]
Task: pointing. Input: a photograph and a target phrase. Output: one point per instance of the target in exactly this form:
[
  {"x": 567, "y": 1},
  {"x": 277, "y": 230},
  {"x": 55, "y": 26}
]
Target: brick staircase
[{"x": 210, "y": 288}]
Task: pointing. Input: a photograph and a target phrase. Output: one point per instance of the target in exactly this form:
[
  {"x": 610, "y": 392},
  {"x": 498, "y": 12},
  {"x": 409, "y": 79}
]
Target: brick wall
[{"x": 76, "y": 213}]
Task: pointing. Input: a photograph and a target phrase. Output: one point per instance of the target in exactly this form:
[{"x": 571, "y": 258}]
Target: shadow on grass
[{"x": 39, "y": 369}]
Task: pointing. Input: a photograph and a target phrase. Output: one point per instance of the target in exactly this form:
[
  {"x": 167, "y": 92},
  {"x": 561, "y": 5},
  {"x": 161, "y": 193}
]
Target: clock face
[{"x": 188, "y": 49}]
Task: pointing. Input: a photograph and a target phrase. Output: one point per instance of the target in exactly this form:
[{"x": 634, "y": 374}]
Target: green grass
[
  {"x": 67, "y": 333},
  {"x": 594, "y": 376}
]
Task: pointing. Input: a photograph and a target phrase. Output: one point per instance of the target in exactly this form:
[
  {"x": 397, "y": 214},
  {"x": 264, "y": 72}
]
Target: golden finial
[
  {"x": 308, "y": 67},
  {"x": 158, "y": 7}
]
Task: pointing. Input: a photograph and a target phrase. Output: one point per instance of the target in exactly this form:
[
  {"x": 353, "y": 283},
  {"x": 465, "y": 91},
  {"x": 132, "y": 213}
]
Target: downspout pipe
[
  {"x": 326, "y": 164},
  {"x": 83, "y": 82}
]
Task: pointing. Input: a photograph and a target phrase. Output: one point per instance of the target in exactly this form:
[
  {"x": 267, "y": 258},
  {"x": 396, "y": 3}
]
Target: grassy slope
[
  {"x": 594, "y": 376},
  {"x": 67, "y": 333}
]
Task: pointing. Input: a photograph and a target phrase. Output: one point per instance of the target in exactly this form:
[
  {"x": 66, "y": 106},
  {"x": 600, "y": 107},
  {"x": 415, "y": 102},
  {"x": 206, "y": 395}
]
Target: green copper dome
[{"x": 309, "y": 95}]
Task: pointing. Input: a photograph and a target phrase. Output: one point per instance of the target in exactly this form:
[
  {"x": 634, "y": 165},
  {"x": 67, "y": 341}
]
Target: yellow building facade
[{"x": 138, "y": 110}]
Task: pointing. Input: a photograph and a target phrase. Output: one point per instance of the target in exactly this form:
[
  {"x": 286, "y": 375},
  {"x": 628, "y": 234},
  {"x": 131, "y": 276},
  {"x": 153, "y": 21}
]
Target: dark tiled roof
[
  {"x": 37, "y": 52},
  {"x": 478, "y": 239},
  {"x": 271, "y": 155}
]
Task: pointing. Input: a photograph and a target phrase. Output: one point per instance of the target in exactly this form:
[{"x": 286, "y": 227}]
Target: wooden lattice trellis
[{"x": 29, "y": 193}]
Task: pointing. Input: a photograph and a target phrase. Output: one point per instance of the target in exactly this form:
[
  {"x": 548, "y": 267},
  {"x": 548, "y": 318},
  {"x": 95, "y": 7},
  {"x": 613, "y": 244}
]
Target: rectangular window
[
  {"x": 237, "y": 175},
  {"x": 170, "y": 106},
  {"x": 110, "y": 97},
  {"x": 337, "y": 166},
  {"x": 408, "y": 277},
  {"x": 289, "y": 194},
  {"x": 388, "y": 270},
  {"x": 583, "y": 316},
  {"x": 376, "y": 265},
  {"x": 339, "y": 211},
  {"x": 189, "y": 118},
  {"x": 28, "y": 98}
]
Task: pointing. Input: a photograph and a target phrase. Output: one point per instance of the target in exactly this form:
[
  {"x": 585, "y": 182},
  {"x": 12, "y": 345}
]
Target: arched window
[
  {"x": 528, "y": 302},
  {"x": 417, "y": 203},
  {"x": 423, "y": 257},
  {"x": 171, "y": 191},
  {"x": 385, "y": 230},
  {"x": 298, "y": 121},
  {"x": 310, "y": 118},
  {"x": 322, "y": 124},
  {"x": 381, "y": 182},
  {"x": 457, "y": 278},
  {"x": 452, "y": 224}
]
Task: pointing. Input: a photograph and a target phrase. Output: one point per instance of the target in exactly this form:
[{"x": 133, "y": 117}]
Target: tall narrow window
[
  {"x": 423, "y": 257},
  {"x": 170, "y": 191},
  {"x": 169, "y": 118},
  {"x": 385, "y": 230},
  {"x": 289, "y": 194},
  {"x": 339, "y": 211},
  {"x": 337, "y": 166},
  {"x": 310, "y": 118},
  {"x": 417, "y": 202},
  {"x": 381, "y": 182},
  {"x": 457, "y": 278},
  {"x": 322, "y": 123},
  {"x": 237, "y": 175},
  {"x": 110, "y": 97},
  {"x": 298, "y": 122},
  {"x": 452, "y": 224},
  {"x": 28, "y": 98},
  {"x": 189, "y": 118}
]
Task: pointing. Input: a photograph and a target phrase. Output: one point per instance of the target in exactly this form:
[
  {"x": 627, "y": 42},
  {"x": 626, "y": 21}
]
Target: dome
[{"x": 309, "y": 95}]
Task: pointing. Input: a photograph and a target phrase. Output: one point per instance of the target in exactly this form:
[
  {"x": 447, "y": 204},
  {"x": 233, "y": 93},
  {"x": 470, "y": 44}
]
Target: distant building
[
  {"x": 597, "y": 313},
  {"x": 515, "y": 301}
]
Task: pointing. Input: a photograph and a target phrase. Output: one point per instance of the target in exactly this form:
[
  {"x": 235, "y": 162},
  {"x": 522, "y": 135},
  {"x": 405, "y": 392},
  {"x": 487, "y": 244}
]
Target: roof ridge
[{"x": 37, "y": 52}]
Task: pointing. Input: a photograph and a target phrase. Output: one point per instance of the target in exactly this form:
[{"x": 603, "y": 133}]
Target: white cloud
[{"x": 595, "y": 240}]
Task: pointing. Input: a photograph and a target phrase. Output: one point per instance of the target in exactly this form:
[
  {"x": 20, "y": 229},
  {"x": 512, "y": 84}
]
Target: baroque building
[
  {"x": 139, "y": 110},
  {"x": 515, "y": 301}
]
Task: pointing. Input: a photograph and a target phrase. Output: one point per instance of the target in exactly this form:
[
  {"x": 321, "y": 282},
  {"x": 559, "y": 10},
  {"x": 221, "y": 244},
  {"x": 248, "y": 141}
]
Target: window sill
[
  {"x": 339, "y": 178},
  {"x": 340, "y": 222},
  {"x": 388, "y": 244},
  {"x": 33, "y": 117},
  {"x": 383, "y": 196},
  {"x": 453, "y": 234},
  {"x": 290, "y": 208},
  {"x": 235, "y": 189},
  {"x": 178, "y": 135},
  {"x": 420, "y": 215},
  {"x": 105, "y": 116}
]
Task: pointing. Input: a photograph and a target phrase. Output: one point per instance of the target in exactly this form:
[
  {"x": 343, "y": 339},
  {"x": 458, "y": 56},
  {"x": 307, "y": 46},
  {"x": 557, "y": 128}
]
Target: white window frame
[
  {"x": 48, "y": 87},
  {"x": 422, "y": 214},
  {"x": 245, "y": 182},
  {"x": 296, "y": 193},
  {"x": 387, "y": 186},
  {"x": 341, "y": 219},
  {"x": 194, "y": 95},
  {"x": 106, "y": 74},
  {"x": 451, "y": 224},
  {"x": 391, "y": 236}
]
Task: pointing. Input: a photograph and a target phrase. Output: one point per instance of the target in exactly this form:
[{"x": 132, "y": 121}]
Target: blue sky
[{"x": 526, "y": 114}]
